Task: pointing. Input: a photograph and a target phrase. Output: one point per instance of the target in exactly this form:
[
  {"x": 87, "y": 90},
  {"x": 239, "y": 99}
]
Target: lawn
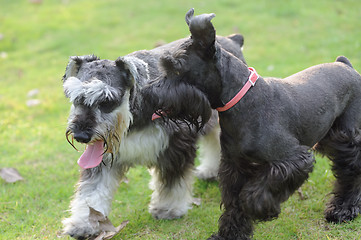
[{"x": 36, "y": 40}]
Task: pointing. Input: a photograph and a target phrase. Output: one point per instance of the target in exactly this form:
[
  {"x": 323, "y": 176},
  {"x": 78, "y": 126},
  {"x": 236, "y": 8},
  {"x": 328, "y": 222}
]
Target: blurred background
[{"x": 38, "y": 36}]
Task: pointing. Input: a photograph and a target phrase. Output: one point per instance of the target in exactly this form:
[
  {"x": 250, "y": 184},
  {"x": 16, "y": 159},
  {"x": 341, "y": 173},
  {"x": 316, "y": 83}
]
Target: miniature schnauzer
[
  {"x": 268, "y": 130},
  {"x": 112, "y": 116}
]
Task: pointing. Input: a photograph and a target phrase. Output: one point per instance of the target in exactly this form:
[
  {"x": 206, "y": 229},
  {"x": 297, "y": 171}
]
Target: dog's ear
[
  {"x": 74, "y": 64},
  {"x": 122, "y": 64},
  {"x": 128, "y": 69},
  {"x": 202, "y": 30},
  {"x": 173, "y": 64},
  {"x": 237, "y": 38},
  {"x": 189, "y": 16}
]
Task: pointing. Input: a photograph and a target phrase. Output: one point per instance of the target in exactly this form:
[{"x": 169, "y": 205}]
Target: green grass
[{"x": 281, "y": 37}]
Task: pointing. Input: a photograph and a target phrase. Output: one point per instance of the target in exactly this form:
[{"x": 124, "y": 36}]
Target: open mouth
[{"x": 92, "y": 156}]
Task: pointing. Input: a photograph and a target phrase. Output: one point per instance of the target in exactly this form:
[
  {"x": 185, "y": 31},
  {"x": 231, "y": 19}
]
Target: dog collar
[
  {"x": 250, "y": 83},
  {"x": 157, "y": 115}
]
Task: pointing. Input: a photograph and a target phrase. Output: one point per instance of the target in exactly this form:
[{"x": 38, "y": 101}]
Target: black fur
[{"x": 267, "y": 137}]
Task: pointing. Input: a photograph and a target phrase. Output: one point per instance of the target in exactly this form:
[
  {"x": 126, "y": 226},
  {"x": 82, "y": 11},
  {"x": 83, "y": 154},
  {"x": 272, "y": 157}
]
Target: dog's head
[
  {"x": 100, "y": 92},
  {"x": 191, "y": 83}
]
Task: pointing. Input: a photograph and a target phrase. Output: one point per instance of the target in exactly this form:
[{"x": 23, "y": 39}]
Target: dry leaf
[
  {"x": 32, "y": 102},
  {"x": 33, "y": 93},
  {"x": 96, "y": 219},
  {"x": 125, "y": 180},
  {"x": 108, "y": 231},
  {"x": 300, "y": 194},
  {"x": 197, "y": 201},
  {"x": 110, "y": 235},
  {"x": 10, "y": 175},
  {"x": 3, "y": 55}
]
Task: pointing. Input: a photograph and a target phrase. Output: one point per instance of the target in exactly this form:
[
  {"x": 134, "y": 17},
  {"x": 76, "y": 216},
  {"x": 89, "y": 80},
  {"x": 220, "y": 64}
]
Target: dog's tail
[{"x": 344, "y": 60}]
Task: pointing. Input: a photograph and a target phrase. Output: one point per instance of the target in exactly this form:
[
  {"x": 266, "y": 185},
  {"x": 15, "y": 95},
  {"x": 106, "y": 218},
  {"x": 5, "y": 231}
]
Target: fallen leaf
[
  {"x": 3, "y": 55},
  {"x": 97, "y": 218},
  {"x": 300, "y": 194},
  {"x": 108, "y": 231},
  {"x": 32, "y": 102},
  {"x": 125, "y": 180},
  {"x": 99, "y": 237},
  {"x": 110, "y": 235},
  {"x": 33, "y": 93},
  {"x": 10, "y": 175},
  {"x": 197, "y": 201}
]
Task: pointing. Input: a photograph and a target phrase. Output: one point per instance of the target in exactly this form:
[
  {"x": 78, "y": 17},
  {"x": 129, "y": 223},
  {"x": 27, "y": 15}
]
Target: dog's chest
[{"x": 143, "y": 146}]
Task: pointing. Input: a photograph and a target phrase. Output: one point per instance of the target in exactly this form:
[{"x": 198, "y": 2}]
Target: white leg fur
[
  {"x": 96, "y": 192},
  {"x": 171, "y": 202},
  {"x": 210, "y": 155}
]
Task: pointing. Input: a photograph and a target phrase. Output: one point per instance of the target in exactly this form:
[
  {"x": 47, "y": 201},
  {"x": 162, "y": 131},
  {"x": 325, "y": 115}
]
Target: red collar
[
  {"x": 250, "y": 83},
  {"x": 158, "y": 114}
]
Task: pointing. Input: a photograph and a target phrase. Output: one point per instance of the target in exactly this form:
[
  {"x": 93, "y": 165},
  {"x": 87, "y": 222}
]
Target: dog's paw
[
  {"x": 209, "y": 174},
  {"x": 260, "y": 204},
  {"x": 338, "y": 214},
  {"x": 80, "y": 233},
  {"x": 79, "y": 230},
  {"x": 215, "y": 237},
  {"x": 161, "y": 213}
]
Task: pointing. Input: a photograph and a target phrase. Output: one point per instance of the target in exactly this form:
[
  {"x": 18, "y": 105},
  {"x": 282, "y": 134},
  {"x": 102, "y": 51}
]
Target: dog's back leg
[
  {"x": 172, "y": 178},
  {"x": 343, "y": 147}
]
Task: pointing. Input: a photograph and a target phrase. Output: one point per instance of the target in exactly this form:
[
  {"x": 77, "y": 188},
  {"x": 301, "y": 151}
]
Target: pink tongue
[{"x": 92, "y": 156}]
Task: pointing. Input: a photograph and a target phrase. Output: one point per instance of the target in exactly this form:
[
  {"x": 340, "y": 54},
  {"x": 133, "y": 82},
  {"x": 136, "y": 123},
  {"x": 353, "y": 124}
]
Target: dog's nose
[{"x": 82, "y": 137}]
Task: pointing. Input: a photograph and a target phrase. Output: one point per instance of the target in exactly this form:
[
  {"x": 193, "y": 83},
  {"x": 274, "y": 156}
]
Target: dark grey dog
[
  {"x": 112, "y": 116},
  {"x": 267, "y": 136}
]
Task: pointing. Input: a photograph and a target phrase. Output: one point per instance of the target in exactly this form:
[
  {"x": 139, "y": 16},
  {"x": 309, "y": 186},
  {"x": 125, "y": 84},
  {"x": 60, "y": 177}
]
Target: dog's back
[
  {"x": 232, "y": 43},
  {"x": 307, "y": 104},
  {"x": 323, "y": 94}
]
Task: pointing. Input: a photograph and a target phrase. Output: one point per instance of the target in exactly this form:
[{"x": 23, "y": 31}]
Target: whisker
[
  {"x": 116, "y": 137},
  {"x": 111, "y": 163},
  {"x": 67, "y": 134},
  {"x": 106, "y": 145}
]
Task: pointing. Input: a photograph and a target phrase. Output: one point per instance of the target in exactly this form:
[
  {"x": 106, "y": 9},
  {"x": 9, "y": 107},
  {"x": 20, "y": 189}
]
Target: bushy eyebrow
[{"x": 91, "y": 92}]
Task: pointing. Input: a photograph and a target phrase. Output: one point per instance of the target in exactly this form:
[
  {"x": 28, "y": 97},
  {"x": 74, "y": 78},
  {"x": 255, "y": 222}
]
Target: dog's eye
[{"x": 108, "y": 106}]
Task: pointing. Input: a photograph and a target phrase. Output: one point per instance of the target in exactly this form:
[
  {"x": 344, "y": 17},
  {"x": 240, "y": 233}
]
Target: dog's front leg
[
  {"x": 95, "y": 189},
  {"x": 234, "y": 223},
  {"x": 210, "y": 155}
]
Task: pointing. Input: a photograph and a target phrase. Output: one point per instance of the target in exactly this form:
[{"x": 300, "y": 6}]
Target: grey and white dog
[
  {"x": 113, "y": 117},
  {"x": 267, "y": 135}
]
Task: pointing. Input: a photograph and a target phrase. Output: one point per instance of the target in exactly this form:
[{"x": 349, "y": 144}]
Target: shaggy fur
[
  {"x": 109, "y": 107},
  {"x": 267, "y": 137}
]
